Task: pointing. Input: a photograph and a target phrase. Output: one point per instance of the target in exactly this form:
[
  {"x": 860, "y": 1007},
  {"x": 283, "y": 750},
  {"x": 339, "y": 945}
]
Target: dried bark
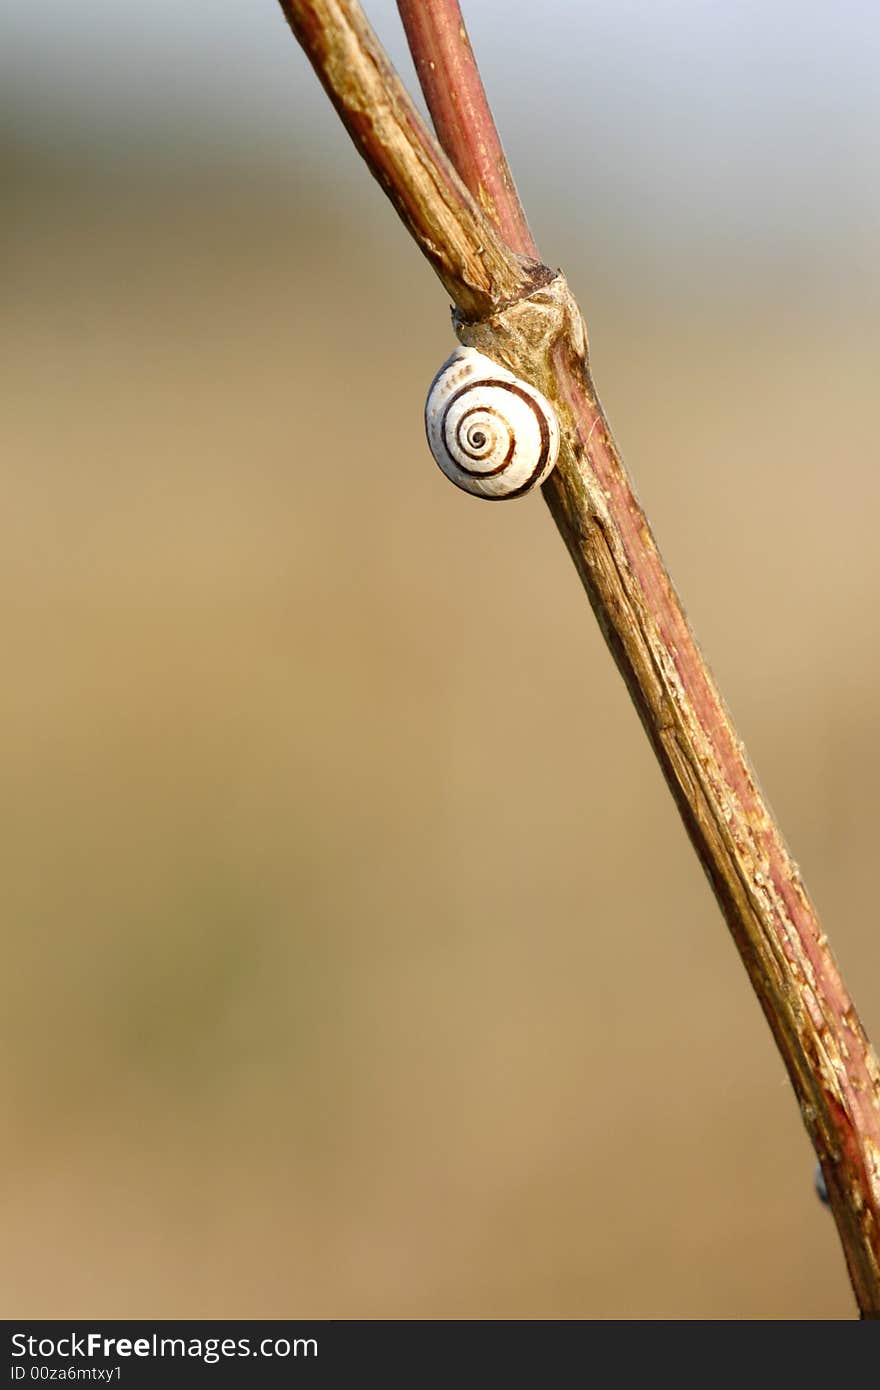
[{"x": 520, "y": 313}]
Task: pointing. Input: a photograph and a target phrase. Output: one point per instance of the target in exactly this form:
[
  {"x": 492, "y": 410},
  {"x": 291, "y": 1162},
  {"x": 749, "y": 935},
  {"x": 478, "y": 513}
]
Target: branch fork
[{"x": 460, "y": 205}]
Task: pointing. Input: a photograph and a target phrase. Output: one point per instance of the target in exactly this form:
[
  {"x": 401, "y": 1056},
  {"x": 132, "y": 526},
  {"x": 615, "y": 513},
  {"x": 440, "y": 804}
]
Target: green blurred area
[{"x": 357, "y": 963}]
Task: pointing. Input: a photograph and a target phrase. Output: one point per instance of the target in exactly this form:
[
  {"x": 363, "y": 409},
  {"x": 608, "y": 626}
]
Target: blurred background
[{"x": 332, "y": 985}]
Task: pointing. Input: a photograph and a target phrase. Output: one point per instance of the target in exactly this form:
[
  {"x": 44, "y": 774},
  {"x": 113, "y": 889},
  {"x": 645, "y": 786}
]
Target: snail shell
[{"x": 492, "y": 434}]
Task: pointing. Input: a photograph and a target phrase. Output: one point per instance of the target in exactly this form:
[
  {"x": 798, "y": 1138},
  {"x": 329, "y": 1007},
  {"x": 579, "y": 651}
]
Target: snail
[{"x": 492, "y": 434}]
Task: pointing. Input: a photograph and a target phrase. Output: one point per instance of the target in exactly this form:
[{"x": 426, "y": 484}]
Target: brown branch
[
  {"x": 466, "y": 251},
  {"x": 537, "y": 332},
  {"x": 453, "y": 88}
]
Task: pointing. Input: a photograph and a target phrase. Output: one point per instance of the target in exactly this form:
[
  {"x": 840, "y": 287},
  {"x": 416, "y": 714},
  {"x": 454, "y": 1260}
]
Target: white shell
[{"x": 492, "y": 434}]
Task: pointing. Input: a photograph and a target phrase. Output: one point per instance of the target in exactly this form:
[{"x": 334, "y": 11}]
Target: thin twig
[
  {"x": 453, "y": 88},
  {"x": 536, "y": 330}
]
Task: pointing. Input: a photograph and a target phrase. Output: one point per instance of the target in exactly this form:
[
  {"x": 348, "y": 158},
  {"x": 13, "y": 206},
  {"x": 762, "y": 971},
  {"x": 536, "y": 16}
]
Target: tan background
[{"x": 333, "y": 983}]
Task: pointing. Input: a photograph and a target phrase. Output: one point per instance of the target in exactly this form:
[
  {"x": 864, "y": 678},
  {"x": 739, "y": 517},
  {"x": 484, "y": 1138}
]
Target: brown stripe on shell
[
  {"x": 529, "y": 399},
  {"x": 511, "y": 448}
]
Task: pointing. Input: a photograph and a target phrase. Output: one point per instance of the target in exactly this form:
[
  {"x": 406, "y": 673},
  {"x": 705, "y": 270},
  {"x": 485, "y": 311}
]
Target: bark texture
[{"x": 518, "y": 312}]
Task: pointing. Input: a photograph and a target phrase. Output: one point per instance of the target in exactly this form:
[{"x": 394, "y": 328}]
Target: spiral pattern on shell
[{"x": 492, "y": 434}]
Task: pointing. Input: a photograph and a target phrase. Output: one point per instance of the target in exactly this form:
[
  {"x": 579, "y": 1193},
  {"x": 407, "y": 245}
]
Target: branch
[
  {"x": 523, "y": 316},
  {"x": 466, "y": 251},
  {"x": 450, "y": 80}
]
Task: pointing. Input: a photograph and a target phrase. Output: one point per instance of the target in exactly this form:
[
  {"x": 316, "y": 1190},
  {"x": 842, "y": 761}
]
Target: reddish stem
[
  {"x": 456, "y": 98},
  {"x": 520, "y": 314},
  {"x": 836, "y": 1079}
]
